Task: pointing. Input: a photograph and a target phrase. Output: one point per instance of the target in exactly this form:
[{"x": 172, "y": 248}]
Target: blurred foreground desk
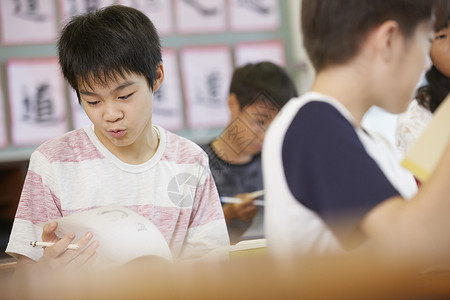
[{"x": 244, "y": 277}]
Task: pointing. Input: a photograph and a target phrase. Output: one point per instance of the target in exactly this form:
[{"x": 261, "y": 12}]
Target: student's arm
[
  {"x": 421, "y": 226},
  {"x": 38, "y": 204}
]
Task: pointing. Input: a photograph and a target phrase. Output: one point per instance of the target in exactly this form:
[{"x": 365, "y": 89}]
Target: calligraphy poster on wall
[
  {"x": 159, "y": 12},
  {"x": 253, "y": 52},
  {"x": 79, "y": 117},
  {"x": 70, "y": 8},
  {"x": 200, "y": 16},
  {"x": 167, "y": 103},
  {"x": 206, "y": 75},
  {"x": 3, "y": 131},
  {"x": 28, "y": 22},
  {"x": 36, "y": 99},
  {"x": 261, "y": 15}
]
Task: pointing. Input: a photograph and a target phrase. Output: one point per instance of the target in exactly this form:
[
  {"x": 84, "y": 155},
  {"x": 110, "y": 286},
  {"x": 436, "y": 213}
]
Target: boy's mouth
[{"x": 117, "y": 133}]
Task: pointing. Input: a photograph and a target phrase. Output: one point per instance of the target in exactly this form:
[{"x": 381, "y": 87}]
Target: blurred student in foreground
[{"x": 330, "y": 185}]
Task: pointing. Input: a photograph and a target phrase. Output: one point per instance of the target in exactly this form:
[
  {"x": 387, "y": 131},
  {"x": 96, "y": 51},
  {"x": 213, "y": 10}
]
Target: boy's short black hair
[
  {"x": 265, "y": 77},
  {"x": 333, "y": 30},
  {"x": 113, "y": 41},
  {"x": 442, "y": 14}
]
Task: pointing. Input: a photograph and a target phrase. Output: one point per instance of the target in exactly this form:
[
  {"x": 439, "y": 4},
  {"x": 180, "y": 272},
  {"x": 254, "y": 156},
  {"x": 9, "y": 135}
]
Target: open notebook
[{"x": 422, "y": 158}]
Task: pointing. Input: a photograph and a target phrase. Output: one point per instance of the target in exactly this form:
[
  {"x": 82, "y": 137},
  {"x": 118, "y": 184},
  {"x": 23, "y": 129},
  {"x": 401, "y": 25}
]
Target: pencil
[
  {"x": 48, "y": 244},
  {"x": 255, "y": 194},
  {"x": 238, "y": 200}
]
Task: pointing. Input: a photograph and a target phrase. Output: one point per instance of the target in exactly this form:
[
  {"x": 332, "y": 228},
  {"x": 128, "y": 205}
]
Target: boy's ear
[
  {"x": 233, "y": 105},
  {"x": 159, "y": 77},
  {"x": 386, "y": 38}
]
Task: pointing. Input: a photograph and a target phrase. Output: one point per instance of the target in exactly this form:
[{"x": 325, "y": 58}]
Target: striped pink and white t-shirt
[{"x": 76, "y": 172}]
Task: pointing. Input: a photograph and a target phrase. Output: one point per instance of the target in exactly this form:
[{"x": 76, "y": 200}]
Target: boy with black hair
[
  {"x": 112, "y": 59},
  {"x": 257, "y": 93},
  {"x": 330, "y": 185}
]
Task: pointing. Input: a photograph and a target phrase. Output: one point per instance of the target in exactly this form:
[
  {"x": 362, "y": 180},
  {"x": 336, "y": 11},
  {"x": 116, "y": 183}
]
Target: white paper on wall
[
  {"x": 200, "y": 16},
  {"x": 250, "y": 15},
  {"x": 168, "y": 104},
  {"x": 159, "y": 12},
  {"x": 3, "y": 131},
  {"x": 70, "y": 8},
  {"x": 79, "y": 117},
  {"x": 253, "y": 52},
  {"x": 28, "y": 22},
  {"x": 206, "y": 74},
  {"x": 37, "y": 100}
]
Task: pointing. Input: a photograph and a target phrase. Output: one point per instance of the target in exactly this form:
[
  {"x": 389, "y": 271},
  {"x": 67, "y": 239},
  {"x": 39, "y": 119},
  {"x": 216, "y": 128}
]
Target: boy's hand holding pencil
[{"x": 56, "y": 254}]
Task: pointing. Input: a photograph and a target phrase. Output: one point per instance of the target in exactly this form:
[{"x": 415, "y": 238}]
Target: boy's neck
[
  {"x": 140, "y": 151},
  {"x": 348, "y": 86}
]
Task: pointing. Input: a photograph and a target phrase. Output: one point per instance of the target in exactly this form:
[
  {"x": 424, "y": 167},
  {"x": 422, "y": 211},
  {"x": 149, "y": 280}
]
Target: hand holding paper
[
  {"x": 123, "y": 234},
  {"x": 64, "y": 252}
]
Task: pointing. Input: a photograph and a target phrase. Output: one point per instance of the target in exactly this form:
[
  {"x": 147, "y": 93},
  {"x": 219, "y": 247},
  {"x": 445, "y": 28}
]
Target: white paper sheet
[
  {"x": 123, "y": 234},
  {"x": 37, "y": 100},
  {"x": 28, "y": 22},
  {"x": 168, "y": 104},
  {"x": 253, "y": 52},
  {"x": 159, "y": 12},
  {"x": 200, "y": 16},
  {"x": 261, "y": 15},
  {"x": 71, "y": 8},
  {"x": 206, "y": 77}
]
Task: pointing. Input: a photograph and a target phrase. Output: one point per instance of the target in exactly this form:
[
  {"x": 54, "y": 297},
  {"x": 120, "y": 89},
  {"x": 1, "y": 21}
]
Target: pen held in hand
[
  {"x": 48, "y": 244},
  {"x": 256, "y": 202},
  {"x": 256, "y": 194}
]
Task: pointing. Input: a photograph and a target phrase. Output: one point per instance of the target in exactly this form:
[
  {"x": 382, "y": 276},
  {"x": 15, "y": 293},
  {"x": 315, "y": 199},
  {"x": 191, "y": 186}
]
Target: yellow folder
[{"x": 424, "y": 154}]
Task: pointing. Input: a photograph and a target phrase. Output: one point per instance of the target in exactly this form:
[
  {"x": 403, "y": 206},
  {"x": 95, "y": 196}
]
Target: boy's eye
[
  {"x": 92, "y": 102},
  {"x": 440, "y": 37},
  {"x": 126, "y": 97}
]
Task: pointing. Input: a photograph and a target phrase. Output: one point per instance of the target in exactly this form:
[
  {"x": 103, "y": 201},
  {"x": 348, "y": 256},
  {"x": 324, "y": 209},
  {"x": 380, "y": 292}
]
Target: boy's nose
[{"x": 113, "y": 113}]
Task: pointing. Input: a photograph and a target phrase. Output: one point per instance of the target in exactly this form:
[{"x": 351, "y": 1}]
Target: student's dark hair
[
  {"x": 252, "y": 79},
  {"x": 442, "y": 14},
  {"x": 333, "y": 31},
  {"x": 113, "y": 41},
  {"x": 431, "y": 95},
  {"x": 437, "y": 88}
]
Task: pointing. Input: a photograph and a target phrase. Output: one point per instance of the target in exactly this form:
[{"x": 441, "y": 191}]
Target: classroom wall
[{"x": 231, "y": 45}]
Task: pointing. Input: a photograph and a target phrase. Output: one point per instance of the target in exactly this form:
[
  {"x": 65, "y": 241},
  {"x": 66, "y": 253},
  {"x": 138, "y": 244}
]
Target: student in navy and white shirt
[{"x": 318, "y": 170}]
